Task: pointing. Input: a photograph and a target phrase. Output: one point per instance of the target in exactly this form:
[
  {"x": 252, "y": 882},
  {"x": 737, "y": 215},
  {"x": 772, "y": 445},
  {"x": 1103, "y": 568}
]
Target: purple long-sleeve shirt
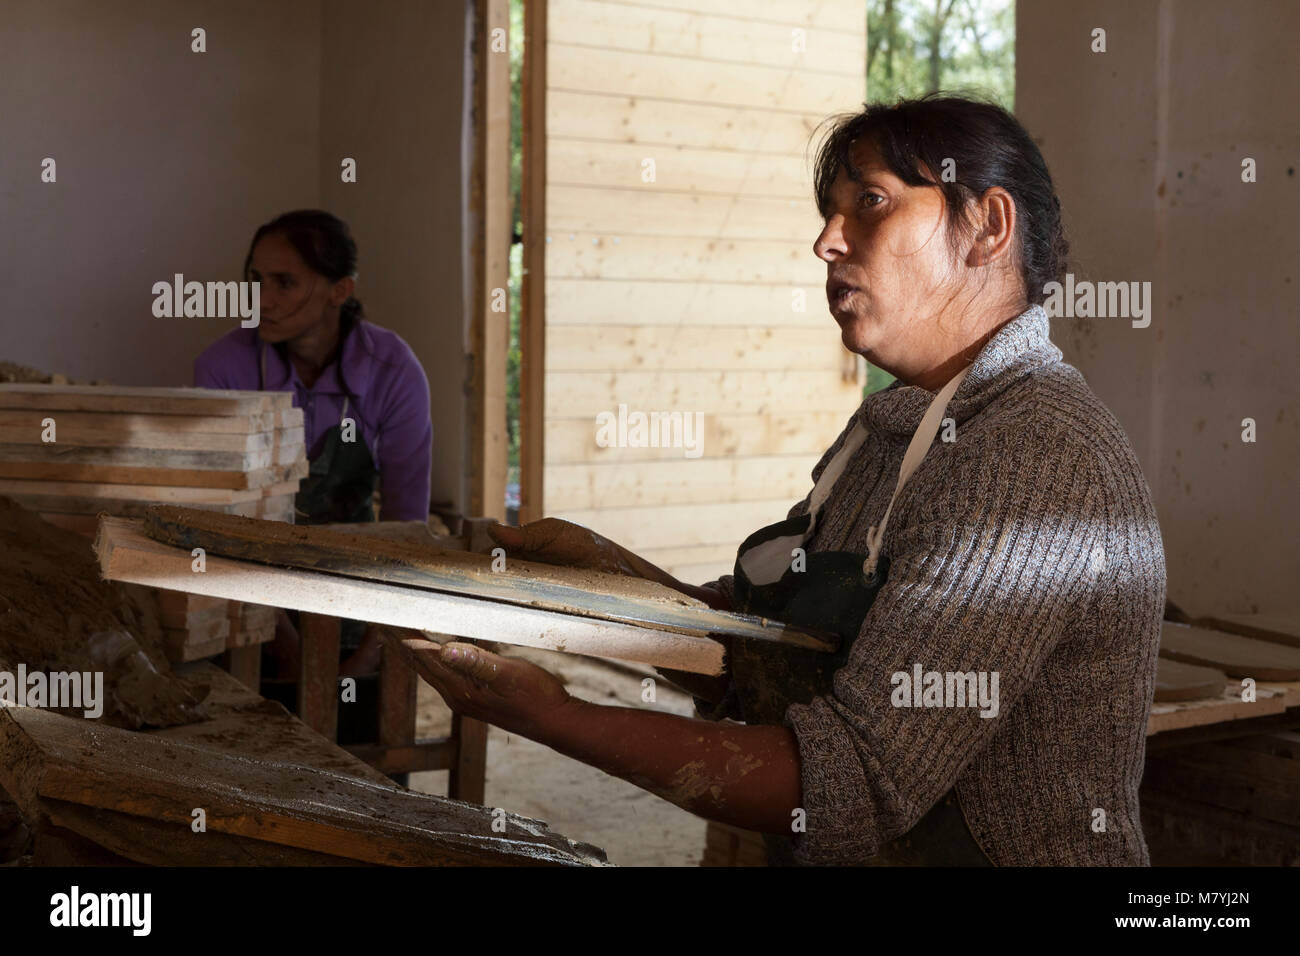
[{"x": 389, "y": 403}]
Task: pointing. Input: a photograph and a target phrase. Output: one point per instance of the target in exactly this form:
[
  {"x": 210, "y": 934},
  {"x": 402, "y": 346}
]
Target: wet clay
[{"x": 56, "y": 614}]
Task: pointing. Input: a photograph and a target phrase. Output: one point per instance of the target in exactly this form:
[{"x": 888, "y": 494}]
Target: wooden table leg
[
  {"x": 469, "y": 772},
  {"x": 245, "y": 665},
  {"x": 397, "y": 689},
  {"x": 318, "y": 674}
]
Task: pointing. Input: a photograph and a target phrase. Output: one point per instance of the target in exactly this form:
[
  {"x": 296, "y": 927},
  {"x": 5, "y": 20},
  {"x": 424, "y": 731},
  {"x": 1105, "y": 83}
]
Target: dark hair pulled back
[
  {"x": 326, "y": 246},
  {"x": 987, "y": 147}
]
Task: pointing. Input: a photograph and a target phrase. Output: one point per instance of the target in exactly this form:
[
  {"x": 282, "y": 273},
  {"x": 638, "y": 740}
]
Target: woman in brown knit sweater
[{"x": 998, "y": 591}]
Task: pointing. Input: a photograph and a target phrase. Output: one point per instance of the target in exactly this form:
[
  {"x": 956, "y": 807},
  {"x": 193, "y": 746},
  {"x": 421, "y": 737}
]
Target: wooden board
[
  {"x": 723, "y": 436},
  {"x": 684, "y": 32},
  {"x": 1178, "y": 681},
  {"x": 1200, "y": 834},
  {"x": 203, "y": 630},
  {"x": 128, "y": 423},
  {"x": 47, "y": 757},
  {"x": 134, "y": 508},
  {"x": 1236, "y": 656},
  {"x": 141, "y": 400},
  {"x": 1227, "y": 707},
  {"x": 1274, "y": 628},
  {"x": 126, "y": 554},
  {"x": 564, "y": 590},
  {"x": 623, "y": 72},
  {"x": 600, "y": 347},
  {"x": 154, "y": 475},
  {"x": 250, "y": 624},
  {"x": 181, "y": 615},
  {"x": 58, "y": 454},
  {"x": 154, "y": 494},
  {"x": 583, "y": 486},
  {"x": 105, "y": 436},
  {"x": 1241, "y": 790}
]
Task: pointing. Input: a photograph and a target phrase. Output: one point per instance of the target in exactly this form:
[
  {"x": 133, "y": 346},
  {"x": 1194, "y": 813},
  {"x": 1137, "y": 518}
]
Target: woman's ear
[
  {"x": 995, "y": 227},
  {"x": 342, "y": 290}
]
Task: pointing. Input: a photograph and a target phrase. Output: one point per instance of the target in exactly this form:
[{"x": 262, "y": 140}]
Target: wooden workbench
[{"x": 272, "y": 792}]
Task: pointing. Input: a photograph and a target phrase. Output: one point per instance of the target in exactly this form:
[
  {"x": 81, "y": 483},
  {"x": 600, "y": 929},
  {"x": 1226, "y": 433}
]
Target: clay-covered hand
[
  {"x": 555, "y": 541},
  {"x": 513, "y": 694}
]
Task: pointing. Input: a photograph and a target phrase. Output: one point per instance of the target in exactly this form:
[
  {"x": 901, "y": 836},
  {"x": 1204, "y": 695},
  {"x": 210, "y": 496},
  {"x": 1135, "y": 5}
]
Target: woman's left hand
[{"x": 513, "y": 694}]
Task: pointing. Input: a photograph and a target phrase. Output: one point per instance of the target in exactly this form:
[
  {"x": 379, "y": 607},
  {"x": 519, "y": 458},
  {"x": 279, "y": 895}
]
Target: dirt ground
[{"x": 633, "y": 827}]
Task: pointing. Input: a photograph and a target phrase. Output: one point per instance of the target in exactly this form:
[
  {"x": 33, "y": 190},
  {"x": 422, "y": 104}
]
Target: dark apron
[
  {"x": 339, "y": 489},
  {"x": 833, "y": 593}
]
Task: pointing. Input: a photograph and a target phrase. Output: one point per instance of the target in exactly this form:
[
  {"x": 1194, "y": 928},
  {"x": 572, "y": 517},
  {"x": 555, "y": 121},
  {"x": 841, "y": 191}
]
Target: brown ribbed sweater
[{"x": 1028, "y": 546}]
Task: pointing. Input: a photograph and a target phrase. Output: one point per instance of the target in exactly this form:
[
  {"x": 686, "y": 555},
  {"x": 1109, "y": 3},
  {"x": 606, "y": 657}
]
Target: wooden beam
[
  {"x": 1233, "y": 654},
  {"x": 141, "y": 400},
  {"x": 469, "y": 769},
  {"x": 318, "y": 673},
  {"x": 245, "y": 665},
  {"x": 532, "y": 307},
  {"x": 1227, "y": 707},
  {"x": 430, "y": 753},
  {"x": 61, "y": 469},
  {"x": 1275, "y": 628},
  {"x": 1178, "y": 681},
  {"x": 490, "y": 204}
]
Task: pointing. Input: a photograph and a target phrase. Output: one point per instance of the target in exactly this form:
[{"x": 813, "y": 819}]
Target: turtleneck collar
[{"x": 1018, "y": 348}]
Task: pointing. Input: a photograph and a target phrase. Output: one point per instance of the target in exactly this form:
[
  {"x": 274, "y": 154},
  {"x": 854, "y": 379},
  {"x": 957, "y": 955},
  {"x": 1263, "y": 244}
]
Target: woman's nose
[{"x": 830, "y": 243}]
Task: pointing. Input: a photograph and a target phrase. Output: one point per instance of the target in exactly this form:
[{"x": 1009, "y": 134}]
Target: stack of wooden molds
[{"x": 73, "y": 452}]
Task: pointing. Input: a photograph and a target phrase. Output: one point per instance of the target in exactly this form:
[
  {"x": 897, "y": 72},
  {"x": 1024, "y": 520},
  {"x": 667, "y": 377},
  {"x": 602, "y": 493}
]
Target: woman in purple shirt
[{"x": 364, "y": 396}]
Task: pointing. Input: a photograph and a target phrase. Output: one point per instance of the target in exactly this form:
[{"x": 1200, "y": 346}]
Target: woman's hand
[
  {"x": 555, "y": 541},
  {"x": 513, "y": 694}
]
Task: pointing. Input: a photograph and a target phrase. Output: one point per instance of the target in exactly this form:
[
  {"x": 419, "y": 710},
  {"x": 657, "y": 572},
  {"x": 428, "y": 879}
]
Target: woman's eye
[
  {"x": 285, "y": 282},
  {"x": 870, "y": 199}
]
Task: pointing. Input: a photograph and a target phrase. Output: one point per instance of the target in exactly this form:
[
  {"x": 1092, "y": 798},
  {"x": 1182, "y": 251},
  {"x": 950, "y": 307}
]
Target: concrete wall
[
  {"x": 166, "y": 161},
  {"x": 169, "y": 159},
  {"x": 1145, "y": 143},
  {"x": 392, "y": 97}
]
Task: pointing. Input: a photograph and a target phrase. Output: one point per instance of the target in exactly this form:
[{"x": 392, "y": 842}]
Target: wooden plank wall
[{"x": 680, "y": 294}]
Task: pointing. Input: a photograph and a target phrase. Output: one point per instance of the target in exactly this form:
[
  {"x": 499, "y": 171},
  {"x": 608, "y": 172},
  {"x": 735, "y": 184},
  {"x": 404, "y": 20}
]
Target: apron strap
[
  {"x": 916, "y": 451},
  {"x": 767, "y": 563}
]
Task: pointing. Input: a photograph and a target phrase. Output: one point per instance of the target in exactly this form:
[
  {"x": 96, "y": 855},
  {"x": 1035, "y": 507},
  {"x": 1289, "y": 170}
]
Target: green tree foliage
[{"x": 920, "y": 46}]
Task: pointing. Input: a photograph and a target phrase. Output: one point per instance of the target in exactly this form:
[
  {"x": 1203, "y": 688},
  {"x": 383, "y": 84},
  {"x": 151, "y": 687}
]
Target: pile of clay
[{"x": 58, "y": 615}]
